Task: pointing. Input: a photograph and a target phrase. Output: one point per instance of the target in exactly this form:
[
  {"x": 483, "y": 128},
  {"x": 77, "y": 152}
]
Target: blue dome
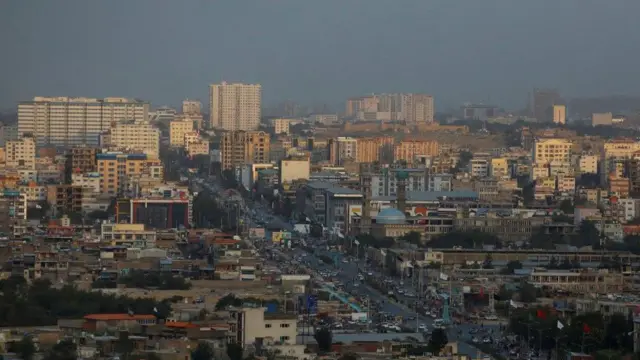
[{"x": 391, "y": 216}]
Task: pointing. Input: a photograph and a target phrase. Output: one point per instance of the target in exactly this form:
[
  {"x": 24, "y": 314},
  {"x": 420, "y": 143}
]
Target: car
[{"x": 487, "y": 340}]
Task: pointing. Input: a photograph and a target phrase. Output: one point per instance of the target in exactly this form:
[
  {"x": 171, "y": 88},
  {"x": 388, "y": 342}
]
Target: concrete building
[
  {"x": 602, "y": 119},
  {"x": 543, "y": 102},
  {"x": 197, "y": 147},
  {"x": 500, "y": 168},
  {"x": 190, "y": 107},
  {"x": 252, "y": 324},
  {"x": 178, "y": 128},
  {"x": 280, "y": 126},
  {"x": 478, "y": 112},
  {"x": 8, "y": 132},
  {"x": 342, "y": 149},
  {"x": 235, "y": 106},
  {"x": 479, "y": 168},
  {"x": 324, "y": 119},
  {"x": 588, "y": 164},
  {"x": 21, "y": 153},
  {"x": 116, "y": 168},
  {"x": 89, "y": 180},
  {"x": 137, "y": 136},
  {"x": 412, "y": 108},
  {"x": 294, "y": 169},
  {"x": 128, "y": 235},
  {"x": 559, "y": 114},
  {"x": 375, "y": 149},
  {"x": 244, "y": 147},
  {"x": 64, "y": 121},
  {"x": 546, "y": 150},
  {"x": 408, "y": 150}
]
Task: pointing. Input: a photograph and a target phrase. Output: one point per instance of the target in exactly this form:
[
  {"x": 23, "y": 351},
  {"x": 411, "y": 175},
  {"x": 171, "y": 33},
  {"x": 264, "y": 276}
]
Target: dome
[{"x": 390, "y": 216}]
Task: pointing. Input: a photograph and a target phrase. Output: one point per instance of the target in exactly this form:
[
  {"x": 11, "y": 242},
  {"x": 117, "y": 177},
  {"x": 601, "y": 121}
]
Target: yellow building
[
  {"x": 198, "y": 147},
  {"x": 407, "y": 150},
  {"x": 500, "y": 168},
  {"x": 296, "y": 169},
  {"x": 588, "y": 164},
  {"x": 116, "y": 168},
  {"x": 244, "y": 147},
  {"x": 128, "y": 235},
  {"x": 281, "y": 126},
  {"x": 621, "y": 148},
  {"x": 138, "y": 136},
  {"x": 21, "y": 153},
  {"x": 559, "y": 114},
  {"x": 178, "y": 129},
  {"x": 373, "y": 149},
  {"x": 546, "y": 150}
]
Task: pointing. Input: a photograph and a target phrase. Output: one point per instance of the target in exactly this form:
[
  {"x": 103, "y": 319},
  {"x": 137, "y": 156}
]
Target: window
[
  {"x": 284, "y": 325},
  {"x": 267, "y": 326}
]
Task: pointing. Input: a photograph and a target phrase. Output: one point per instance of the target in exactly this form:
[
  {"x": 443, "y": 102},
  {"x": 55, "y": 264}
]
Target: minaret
[{"x": 401, "y": 181}]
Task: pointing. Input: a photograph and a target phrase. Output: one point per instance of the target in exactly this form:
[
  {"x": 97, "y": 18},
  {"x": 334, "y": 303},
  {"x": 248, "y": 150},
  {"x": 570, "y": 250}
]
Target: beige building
[
  {"x": 128, "y": 235},
  {"x": 374, "y": 149},
  {"x": 559, "y": 114},
  {"x": 251, "y": 324},
  {"x": 412, "y": 108},
  {"x": 21, "y": 153},
  {"x": 605, "y": 119},
  {"x": 298, "y": 169},
  {"x": 407, "y": 150},
  {"x": 198, "y": 147},
  {"x": 500, "y": 168},
  {"x": 546, "y": 150},
  {"x": 244, "y": 147},
  {"x": 588, "y": 164},
  {"x": 235, "y": 106},
  {"x": 67, "y": 122},
  {"x": 342, "y": 149},
  {"x": 136, "y": 136},
  {"x": 191, "y": 107},
  {"x": 281, "y": 126},
  {"x": 178, "y": 129}
]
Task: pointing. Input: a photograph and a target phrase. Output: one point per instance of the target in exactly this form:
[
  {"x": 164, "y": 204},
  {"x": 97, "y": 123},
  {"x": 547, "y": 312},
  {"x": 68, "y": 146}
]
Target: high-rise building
[
  {"x": 342, "y": 149},
  {"x": 21, "y": 153},
  {"x": 117, "y": 168},
  {"x": 543, "y": 101},
  {"x": 80, "y": 160},
  {"x": 412, "y": 108},
  {"x": 178, "y": 128},
  {"x": 67, "y": 122},
  {"x": 559, "y": 114},
  {"x": 235, "y": 106},
  {"x": 239, "y": 148},
  {"x": 547, "y": 150},
  {"x": 138, "y": 136}
]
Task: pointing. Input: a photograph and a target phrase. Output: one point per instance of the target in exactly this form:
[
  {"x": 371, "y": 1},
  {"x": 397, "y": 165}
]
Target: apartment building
[
  {"x": 294, "y": 169},
  {"x": 588, "y": 164},
  {"x": 500, "y": 168},
  {"x": 89, "y": 180},
  {"x": 281, "y": 126},
  {"x": 412, "y": 108},
  {"x": 559, "y": 114},
  {"x": 244, "y": 147},
  {"x": 197, "y": 147},
  {"x": 408, "y": 150},
  {"x": 115, "y": 169},
  {"x": 190, "y": 107},
  {"x": 136, "y": 136},
  {"x": 178, "y": 128},
  {"x": 375, "y": 149},
  {"x": 250, "y": 324},
  {"x": 128, "y": 235},
  {"x": 21, "y": 153},
  {"x": 8, "y": 132},
  {"x": 342, "y": 149},
  {"x": 235, "y": 106},
  {"x": 324, "y": 119},
  {"x": 546, "y": 150},
  {"x": 65, "y": 121}
]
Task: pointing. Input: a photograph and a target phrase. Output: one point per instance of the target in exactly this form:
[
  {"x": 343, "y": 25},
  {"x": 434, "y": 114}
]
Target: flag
[
  {"x": 155, "y": 309},
  {"x": 513, "y": 304},
  {"x": 540, "y": 314},
  {"x": 586, "y": 328},
  {"x": 560, "y": 325}
]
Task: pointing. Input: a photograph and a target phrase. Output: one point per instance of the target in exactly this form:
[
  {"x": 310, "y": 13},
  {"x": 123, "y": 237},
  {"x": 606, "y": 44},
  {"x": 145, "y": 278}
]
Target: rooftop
[{"x": 431, "y": 195}]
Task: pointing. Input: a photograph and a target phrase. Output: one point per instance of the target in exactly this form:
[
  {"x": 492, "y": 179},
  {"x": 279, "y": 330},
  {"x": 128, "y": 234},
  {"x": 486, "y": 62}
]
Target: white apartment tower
[
  {"x": 137, "y": 136},
  {"x": 68, "y": 122},
  {"x": 235, "y": 106}
]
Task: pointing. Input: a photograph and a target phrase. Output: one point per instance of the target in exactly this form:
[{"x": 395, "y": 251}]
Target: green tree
[
  {"x": 528, "y": 293},
  {"x": 235, "y": 351},
  {"x": 412, "y": 237},
  {"x": 437, "y": 341},
  {"x": 25, "y": 348},
  {"x": 324, "y": 338},
  {"x": 512, "y": 266},
  {"x": 566, "y": 206},
  {"x": 203, "y": 351},
  {"x": 228, "y": 300},
  {"x": 63, "y": 350}
]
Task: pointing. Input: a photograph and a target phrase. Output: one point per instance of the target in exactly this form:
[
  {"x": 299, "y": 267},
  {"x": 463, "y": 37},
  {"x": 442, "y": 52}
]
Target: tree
[
  {"x": 512, "y": 266},
  {"x": 228, "y": 300},
  {"x": 528, "y": 293},
  {"x": 324, "y": 338},
  {"x": 203, "y": 351},
  {"x": 437, "y": 341},
  {"x": 488, "y": 262},
  {"x": 25, "y": 348},
  {"x": 235, "y": 351},
  {"x": 63, "y": 350},
  {"x": 566, "y": 206},
  {"x": 412, "y": 237}
]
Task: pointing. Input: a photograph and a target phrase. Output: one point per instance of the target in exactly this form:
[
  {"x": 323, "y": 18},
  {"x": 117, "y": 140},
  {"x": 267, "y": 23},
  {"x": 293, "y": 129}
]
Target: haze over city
[{"x": 319, "y": 51}]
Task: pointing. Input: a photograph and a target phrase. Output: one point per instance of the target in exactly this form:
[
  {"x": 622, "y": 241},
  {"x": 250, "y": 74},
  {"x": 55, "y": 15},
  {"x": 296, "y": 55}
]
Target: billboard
[
  {"x": 281, "y": 237},
  {"x": 355, "y": 211}
]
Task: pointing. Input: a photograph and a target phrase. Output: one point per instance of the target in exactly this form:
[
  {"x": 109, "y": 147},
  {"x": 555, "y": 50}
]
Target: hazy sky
[{"x": 318, "y": 51}]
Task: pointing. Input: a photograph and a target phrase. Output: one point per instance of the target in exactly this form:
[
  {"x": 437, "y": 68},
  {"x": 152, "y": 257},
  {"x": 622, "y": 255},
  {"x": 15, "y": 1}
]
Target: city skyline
[{"x": 133, "y": 60}]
